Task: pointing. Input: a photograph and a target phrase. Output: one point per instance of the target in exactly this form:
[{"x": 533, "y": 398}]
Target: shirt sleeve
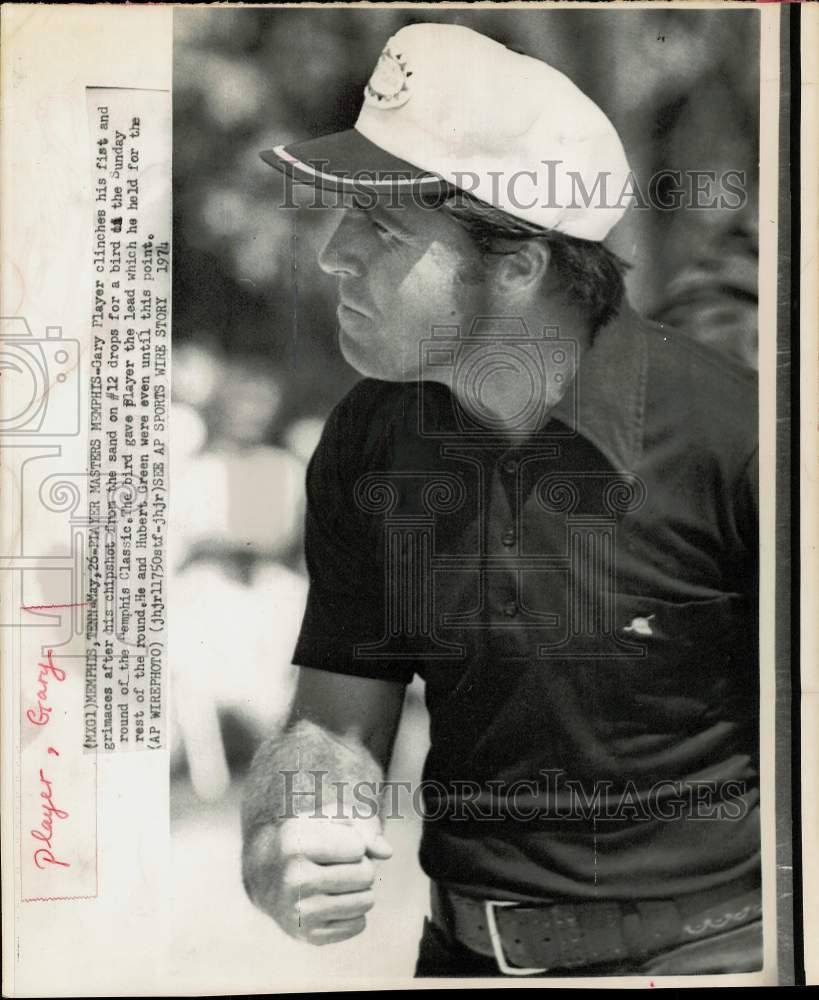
[{"x": 345, "y": 616}]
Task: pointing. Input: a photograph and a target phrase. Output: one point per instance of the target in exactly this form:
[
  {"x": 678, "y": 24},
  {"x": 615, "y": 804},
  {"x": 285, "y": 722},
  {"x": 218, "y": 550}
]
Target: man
[
  {"x": 714, "y": 296},
  {"x": 546, "y": 507}
]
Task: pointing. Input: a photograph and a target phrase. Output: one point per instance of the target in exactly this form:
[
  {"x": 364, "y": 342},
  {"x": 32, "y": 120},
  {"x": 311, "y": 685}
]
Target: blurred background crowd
[{"x": 256, "y": 368}]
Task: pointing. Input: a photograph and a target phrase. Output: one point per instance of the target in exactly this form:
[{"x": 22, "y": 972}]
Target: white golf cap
[{"x": 448, "y": 107}]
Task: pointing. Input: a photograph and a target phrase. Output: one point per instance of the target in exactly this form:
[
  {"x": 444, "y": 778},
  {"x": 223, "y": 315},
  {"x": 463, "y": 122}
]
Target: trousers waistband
[{"x": 527, "y": 938}]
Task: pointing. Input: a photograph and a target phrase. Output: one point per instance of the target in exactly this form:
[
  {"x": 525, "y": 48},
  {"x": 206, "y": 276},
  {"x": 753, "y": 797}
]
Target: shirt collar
[{"x": 606, "y": 398}]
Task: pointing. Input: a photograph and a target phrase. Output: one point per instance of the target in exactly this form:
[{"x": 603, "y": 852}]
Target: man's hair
[{"x": 588, "y": 274}]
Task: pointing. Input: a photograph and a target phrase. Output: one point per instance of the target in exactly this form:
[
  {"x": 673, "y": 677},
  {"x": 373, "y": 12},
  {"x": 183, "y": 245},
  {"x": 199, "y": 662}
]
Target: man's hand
[{"x": 315, "y": 875}]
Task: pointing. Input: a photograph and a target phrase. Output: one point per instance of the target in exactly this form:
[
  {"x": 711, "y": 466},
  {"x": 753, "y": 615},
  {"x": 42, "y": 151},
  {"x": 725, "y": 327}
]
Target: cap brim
[{"x": 347, "y": 161}]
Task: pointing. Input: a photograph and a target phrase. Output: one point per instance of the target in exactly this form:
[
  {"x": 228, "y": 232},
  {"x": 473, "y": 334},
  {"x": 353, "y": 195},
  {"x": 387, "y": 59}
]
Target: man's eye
[{"x": 384, "y": 232}]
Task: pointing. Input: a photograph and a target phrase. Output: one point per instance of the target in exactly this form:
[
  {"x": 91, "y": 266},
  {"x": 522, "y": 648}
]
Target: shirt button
[
  {"x": 510, "y": 466},
  {"x": 508, "y": 537},
  {"x": 510, "y": 609}
]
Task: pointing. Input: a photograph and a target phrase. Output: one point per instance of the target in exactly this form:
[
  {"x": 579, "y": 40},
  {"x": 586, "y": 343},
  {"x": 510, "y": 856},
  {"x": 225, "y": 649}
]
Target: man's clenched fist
[{"x": 314, "y": 875}]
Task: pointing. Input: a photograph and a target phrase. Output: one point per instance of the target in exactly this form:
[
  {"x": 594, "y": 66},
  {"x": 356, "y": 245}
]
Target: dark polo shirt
[{"x": 581, "y": 602}]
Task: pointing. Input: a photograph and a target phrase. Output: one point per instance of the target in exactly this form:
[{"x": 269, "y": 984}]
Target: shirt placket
[{"x": 509, "y": 621}]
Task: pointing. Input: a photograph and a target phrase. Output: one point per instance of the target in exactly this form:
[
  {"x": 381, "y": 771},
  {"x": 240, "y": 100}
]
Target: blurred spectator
[
  {"x": 231, "y": 646},
  {"x": 240, "y": 492},
  {"x": 302, "y": 436},
  {"x": 707, "y": 273},
  {"x": 194, "y": 476},
  {"x": 246, "y": 404},
  {"x": 714, "y": 299},
  {"x": 236, "y": 513},
  {"x": 195, "y": 373}
]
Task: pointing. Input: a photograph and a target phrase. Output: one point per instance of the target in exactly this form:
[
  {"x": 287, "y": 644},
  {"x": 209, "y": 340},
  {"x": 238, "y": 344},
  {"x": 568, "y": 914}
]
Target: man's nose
[{"x": 340, "y": 254}]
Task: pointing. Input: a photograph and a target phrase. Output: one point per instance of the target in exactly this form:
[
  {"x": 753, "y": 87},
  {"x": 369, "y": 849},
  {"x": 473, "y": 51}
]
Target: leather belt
[{"x": 527, "y": 939}]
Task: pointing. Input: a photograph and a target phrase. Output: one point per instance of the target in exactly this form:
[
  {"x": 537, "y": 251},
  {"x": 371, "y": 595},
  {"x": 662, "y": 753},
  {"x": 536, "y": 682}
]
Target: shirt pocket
[{"x": 694, "y": 663}]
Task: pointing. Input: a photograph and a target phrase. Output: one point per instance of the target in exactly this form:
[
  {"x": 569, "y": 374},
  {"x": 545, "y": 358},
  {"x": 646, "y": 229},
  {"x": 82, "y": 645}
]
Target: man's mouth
[
  {"x": 344, "y": 304},
  {"x": 348, "y": 300}
]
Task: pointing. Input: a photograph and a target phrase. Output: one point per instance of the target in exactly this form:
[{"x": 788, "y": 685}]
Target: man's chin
[
  {"x": 367, "y": 363},
  {"x": 355, "y": 354}
]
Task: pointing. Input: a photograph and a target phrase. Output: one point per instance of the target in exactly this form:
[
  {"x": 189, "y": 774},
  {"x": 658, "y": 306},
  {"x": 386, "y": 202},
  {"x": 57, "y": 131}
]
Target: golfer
[{"x": 546, "y": 507}]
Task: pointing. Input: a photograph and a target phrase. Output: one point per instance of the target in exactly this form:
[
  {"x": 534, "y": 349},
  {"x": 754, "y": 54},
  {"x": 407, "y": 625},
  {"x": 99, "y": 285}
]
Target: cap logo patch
[{"x": 388, "y": 86}]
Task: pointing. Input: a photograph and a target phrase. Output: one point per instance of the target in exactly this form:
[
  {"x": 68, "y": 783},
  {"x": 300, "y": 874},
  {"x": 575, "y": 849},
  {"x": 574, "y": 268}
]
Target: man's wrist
[{"x": 278, "y": 788}]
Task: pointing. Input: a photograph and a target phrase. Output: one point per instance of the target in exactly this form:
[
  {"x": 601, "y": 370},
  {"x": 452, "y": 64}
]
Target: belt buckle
[{"x": 497, "y": 944}]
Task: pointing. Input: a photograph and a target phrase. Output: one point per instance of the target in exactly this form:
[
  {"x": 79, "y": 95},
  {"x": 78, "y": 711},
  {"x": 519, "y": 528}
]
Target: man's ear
[{"x": 523, "y": 270}]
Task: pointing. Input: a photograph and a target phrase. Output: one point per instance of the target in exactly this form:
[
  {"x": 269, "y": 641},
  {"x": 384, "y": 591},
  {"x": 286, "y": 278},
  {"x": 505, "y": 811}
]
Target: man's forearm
[{"x": 306, "y": 769}]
